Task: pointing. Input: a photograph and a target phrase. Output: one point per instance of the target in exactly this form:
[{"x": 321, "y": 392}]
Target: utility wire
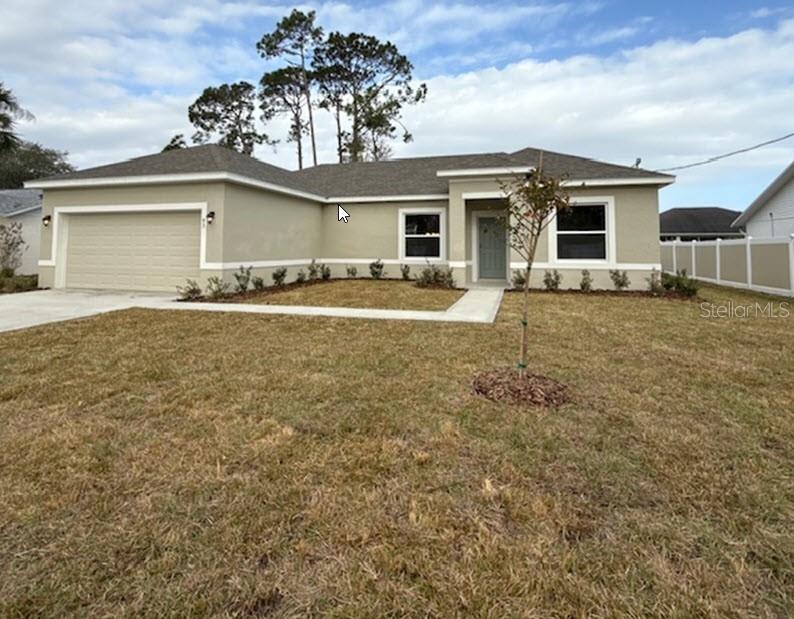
[{"x": 731, "y": 154}]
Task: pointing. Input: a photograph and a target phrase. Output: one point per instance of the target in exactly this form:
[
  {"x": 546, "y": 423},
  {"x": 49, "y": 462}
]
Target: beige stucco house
[{"x": 152, "y": 222}]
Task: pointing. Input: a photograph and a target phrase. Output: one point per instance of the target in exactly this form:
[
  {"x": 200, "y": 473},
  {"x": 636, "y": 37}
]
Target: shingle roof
[
  {"x": 394, "y": 177},
  {"x": 13, "y": 201},
  {"x": 698, "y": 220}
]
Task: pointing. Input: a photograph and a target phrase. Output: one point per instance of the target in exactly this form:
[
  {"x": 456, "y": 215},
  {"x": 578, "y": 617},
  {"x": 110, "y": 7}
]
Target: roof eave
[{"x": 784, "y": 177}]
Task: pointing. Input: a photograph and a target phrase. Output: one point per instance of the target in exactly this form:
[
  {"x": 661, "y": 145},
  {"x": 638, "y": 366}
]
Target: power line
[{"x": 731, "y": 154}]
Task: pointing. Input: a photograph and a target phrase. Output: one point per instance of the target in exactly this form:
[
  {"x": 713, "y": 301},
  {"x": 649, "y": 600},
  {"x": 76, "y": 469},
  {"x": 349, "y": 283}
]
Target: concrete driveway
[{"x": 28, "y": 309}]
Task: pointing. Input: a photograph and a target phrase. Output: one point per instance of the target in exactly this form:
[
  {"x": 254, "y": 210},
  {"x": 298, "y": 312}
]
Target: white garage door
[{"x": 132, "y": 251}]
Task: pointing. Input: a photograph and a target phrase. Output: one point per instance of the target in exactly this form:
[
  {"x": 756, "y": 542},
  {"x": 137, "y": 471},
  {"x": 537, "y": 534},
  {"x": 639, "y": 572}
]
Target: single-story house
[
  {"x": 23, "y": 206},
  {"x": 699, "y": 223},
  {"x": 152, "y": 222},
  {"x": 771, "y": 215}
]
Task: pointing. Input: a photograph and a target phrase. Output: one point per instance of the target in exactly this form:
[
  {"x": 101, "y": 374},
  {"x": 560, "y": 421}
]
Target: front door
[{"x": 492, "y": 250}]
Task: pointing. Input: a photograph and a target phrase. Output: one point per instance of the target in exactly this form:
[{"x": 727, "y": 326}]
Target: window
[
  {"x": 582, "y": 232},
  {"x": 422, "y": 234}
]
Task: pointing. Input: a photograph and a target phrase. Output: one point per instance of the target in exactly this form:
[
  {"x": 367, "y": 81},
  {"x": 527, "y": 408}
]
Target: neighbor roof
[
  {"x": 775, "y": 186},
  {"x": 394, "y": 177},
  {"x": 16, "y": 201},
  {"x": 698, "y": 220}
]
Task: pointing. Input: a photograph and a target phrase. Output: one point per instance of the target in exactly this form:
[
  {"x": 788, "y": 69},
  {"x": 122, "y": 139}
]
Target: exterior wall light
[
  {"x": 210, "y": 217},
  {"x": 46, "y": 220}
]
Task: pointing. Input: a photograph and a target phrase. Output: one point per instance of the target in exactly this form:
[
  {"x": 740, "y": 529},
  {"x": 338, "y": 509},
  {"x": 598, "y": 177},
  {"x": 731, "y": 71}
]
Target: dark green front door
[{"x": 492, "y": 250}]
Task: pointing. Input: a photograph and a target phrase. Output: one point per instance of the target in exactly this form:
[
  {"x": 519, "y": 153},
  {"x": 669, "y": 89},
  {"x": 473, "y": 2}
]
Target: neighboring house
[
  {"x": 772, "y": 213},
  {"x": 24, "y": 206},
  {"x": 152, "y": 222},
  {"x": 700, "y": 223}
]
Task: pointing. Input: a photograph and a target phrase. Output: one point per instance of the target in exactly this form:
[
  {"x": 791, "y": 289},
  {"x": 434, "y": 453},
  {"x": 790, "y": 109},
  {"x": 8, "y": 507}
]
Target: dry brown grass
[
  {"x": 183, "y": 464},
  {"x": 362, "y": 293}
]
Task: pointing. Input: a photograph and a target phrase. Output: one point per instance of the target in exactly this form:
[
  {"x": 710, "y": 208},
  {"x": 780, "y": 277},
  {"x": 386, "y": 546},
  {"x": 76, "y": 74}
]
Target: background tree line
[
  {"x": 20, "y": 160},
  {"x": 363, "y": 82}
]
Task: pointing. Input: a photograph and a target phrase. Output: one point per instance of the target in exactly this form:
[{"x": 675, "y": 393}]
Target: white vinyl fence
[{"x": 765, "y": 265}]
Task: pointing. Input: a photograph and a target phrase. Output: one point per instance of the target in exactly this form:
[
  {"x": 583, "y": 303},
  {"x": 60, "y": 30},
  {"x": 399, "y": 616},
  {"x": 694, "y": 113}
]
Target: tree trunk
[
  {"x": 522, "y": 364},
  {"x": 339, "y": 133},
  {"x": 307, "y": 91}
]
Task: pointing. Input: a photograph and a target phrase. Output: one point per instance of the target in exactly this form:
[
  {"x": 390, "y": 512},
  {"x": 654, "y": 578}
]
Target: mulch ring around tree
[{"x": 506, "y": 386}]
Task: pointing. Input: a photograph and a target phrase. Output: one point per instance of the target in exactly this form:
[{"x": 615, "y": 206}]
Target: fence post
[
  {"x": 693, "y": 248},
  {"x": 675, "y": 258},
  {"x": 791, "y": 263},
  {"x": 749, "y": 260},
  {"x": 719, "y": 269}
]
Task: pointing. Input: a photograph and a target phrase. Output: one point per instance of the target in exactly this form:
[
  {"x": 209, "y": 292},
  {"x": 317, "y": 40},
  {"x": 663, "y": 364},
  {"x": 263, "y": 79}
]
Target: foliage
[
  {"x": 620, "y": 279},
  {"x": 370, "y": 81},
  {"x": 314, "y": 270},
  {"x": 282, "y": 92},
  {"x": 376, "y": 269},
  {"x": 552, "y": 279},
  {"x": 191, "y": 291},
  {"x": 279, "y": 275},
  {"x": 243, "y": 279},
  {"x": 10, "y": 112},
  {"x": 28, "y": 161},
  {"x": 18, "y": 283},
  {"x": 352, "y": 271},
  {"x": 681, "y": 283},
  {"x": 177, "y": 142},
  {"x": 294, "y": 39},
  {"x": 226, "y": 113},
  {"x": 258, "y": 283},
  {"x": 300, "y": 277},
  {"x": 435, "y": 276},
  {"x": 405, "y": 271},
  {"x": 325, "y": 272},
  {"x": 518, "y": 279},
  {"x": 668, "y": 281},
  {"x": 12, "y": 246},
  {"x": 655, "y": 282},
  {"x": 586, "y": 284},
  {"x": 532, "y": 203},
  {"x": 217, "y": 288}
]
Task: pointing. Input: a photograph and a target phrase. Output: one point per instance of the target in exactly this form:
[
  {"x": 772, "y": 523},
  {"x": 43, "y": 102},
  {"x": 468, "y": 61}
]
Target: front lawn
[
  {"x": 158, "y": 463},
  {"x": 361, "y": 293}
]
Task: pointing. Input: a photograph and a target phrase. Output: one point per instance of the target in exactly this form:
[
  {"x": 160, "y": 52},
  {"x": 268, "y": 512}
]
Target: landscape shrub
[
  {"x": 405, "y": 271},
  {"x": 519, "y": 278},
  {"x": 217, "y": 288},
  {"x": 655, "y": 283},
  {"x": 552, "y": 279},
  {"x": 243, "y": 278},
  {"x": 685, "y": 285},
  {"x": 325, "y": 272},
  {"x": 668, "y": 281},
  {"x": 300, "y": 277},
  {"x": 435, "y": 276},
  {"x": 376, "y": 269},
  {"x": 11, "y": 248},
  {"x": 586, "y": 285},
  {"x": 314, "y": 270},
  {"x": 279, "y": 275},
  {"x": 620, "y": 279},
  {"x": 191, "y": 291},
  {"x": 19, "y": 283},
  {"x": 352, "y": 272},
  {"x": 258, "y": 283}
]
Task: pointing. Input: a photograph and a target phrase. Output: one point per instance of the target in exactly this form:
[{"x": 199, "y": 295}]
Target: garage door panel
[{"x": 133, "y": 251}]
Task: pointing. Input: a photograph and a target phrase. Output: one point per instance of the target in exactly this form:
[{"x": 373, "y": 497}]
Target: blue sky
[{"x": 670, "y": 82}]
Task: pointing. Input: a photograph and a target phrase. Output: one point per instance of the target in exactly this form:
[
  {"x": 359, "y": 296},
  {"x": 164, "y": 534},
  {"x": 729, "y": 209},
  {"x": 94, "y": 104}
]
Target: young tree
[
  {"x": 532, "y": 203},
  {"x": 28, "y": 161},
  {"x": 333, "y": 92},
  {"x": 227, "y": 111},
  {"x": 10, "y": 112},
  {"x": 377, "y": 82},
  {"x": 12, "y": 246},
  {"x": 177, "y": 142},
  {"x": 294, "y": 39},
  {"x": 282, "y": 92}
]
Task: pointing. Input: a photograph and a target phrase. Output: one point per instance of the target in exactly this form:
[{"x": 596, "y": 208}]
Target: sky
[{"x": 670, "y": 82}]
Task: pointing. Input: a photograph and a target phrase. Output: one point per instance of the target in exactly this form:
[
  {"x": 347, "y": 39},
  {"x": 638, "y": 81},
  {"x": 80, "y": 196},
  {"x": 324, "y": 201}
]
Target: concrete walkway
[{"x": 28, "y": 309}]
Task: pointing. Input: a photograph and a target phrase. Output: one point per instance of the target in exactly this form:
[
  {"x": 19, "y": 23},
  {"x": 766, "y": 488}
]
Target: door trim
[
  {"x": 60, "y": 230},
  {"x": 475, "y": 244}
]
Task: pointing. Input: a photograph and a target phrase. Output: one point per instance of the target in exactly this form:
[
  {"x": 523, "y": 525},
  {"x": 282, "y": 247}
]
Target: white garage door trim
[{"x": 60, "y": 230}]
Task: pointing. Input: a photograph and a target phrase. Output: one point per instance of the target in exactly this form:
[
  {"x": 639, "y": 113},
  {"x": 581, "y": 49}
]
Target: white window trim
[
  {"x": 475, "y": 243},
  {"x": 427, "y": 210},
  {"x": 611, "y": 240},
  {"x": 60, "y": 230}
]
